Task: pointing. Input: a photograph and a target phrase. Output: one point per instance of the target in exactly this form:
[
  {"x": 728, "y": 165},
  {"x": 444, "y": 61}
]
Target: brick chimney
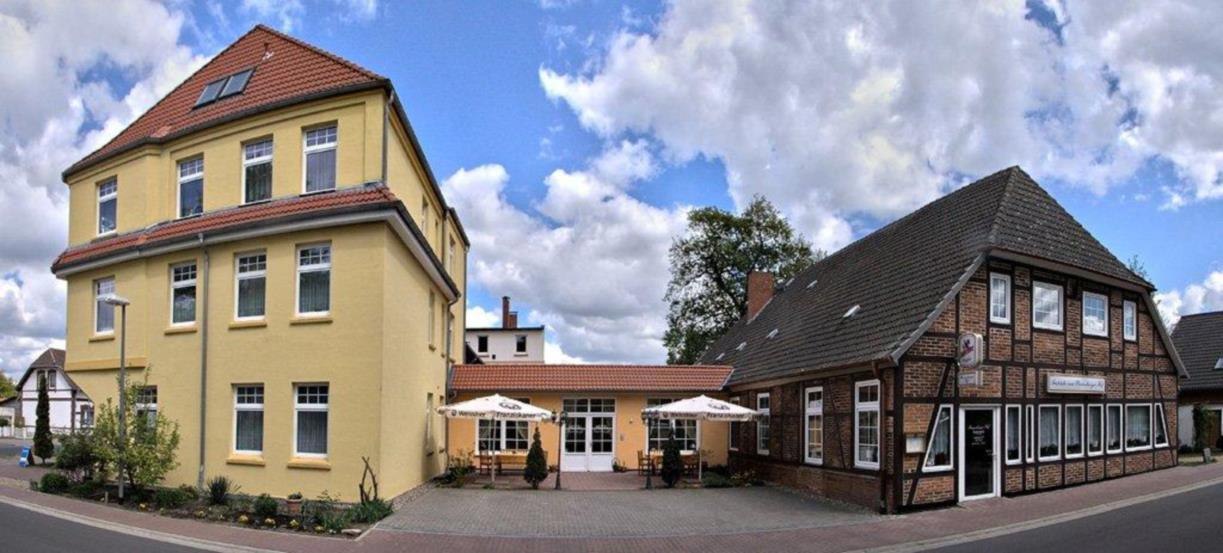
[
  {"x": 509, "y": 319},
  {"x": 759, "y": 292}
]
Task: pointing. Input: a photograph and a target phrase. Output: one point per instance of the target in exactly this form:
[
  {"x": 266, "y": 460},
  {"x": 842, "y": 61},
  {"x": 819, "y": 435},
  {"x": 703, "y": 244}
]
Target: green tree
[
  {"x": 44, "y": 445},
  {"x": 1137, "y": 267},
  {"x": 152, "y": 441},
  {"x": 537, "y": 463},
  {"x": 7, "y": 388},
  {"x": 672, "y": 465},
  {"x": 709, "y": 267}
]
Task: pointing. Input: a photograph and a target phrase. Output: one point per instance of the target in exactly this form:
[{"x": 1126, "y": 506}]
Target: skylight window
[
  {"x": 1219, "y": 364},
  {"x": 772, "y": 334},
  {"x": 236, "y": 84},
  {"x": 210, "y": 92},
  {"x": 224, "y": 87},
  {"x": 740, "y": 346},
  {"x": 812, "y": 284},
  {"x": 720, "y": 356},
  {"x": 852, "y": 311}
]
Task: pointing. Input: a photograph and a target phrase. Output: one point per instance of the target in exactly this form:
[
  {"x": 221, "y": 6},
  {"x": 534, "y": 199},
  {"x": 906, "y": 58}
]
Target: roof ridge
[
  {"x": 315, "y": 49},
  {"x": 1202, "y": 314},
  {"x": 1012, "y": 171}
]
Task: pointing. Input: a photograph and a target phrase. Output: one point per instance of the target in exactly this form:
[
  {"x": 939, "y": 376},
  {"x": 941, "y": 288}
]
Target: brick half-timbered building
[{"x": 856, "y": 365}]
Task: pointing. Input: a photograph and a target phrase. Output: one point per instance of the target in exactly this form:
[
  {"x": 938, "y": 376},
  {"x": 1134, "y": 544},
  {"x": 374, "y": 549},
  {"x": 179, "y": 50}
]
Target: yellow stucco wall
[
  {"x": 630, "y": 432},
  {"x": 372, "y": 350}
]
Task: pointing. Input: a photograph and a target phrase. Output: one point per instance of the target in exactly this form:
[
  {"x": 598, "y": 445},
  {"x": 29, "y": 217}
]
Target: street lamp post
[
  {"x": 113, "y": 300},
  {"x": 560, "y": 442}
]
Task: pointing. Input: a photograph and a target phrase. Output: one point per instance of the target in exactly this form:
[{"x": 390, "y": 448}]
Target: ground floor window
[
  {"x": 310, "y": 419},
  {"x": 866, "y": 424},
  {"x": 1030, "y": 425},
  {"x": 1014, "y": 450},
  {"x": 248, "y": 419},
  {"x": 86, "y": 416},
  {"x": 686, "y": 431},
  {"x": 1050, "y": 437},
  {"x": 146, "y": 405},
  {"x": 814, "y": 425},
  {"x": 938, "y": 452},
  {"x": 505, "y": 435},
  {"x": 1074, "y": 431},
  {"x": 1161, "y": 428},
  {"x": 762, "y": 424},
  {"x": 1095, "y": 429},
  {"x": 1137, "y": 427},
  {"x": 1113, "y": 429}
]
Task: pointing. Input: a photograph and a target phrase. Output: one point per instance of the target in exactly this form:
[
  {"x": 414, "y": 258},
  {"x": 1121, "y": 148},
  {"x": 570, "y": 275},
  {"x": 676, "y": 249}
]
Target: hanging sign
[
  {"x": 970, "y": 379},
  {"x": 969, "y": 350},
  {"x": 1070, "y": 384}
]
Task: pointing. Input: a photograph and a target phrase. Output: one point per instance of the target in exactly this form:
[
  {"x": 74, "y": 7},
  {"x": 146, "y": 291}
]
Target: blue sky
[{"x": 573, "y": 135}]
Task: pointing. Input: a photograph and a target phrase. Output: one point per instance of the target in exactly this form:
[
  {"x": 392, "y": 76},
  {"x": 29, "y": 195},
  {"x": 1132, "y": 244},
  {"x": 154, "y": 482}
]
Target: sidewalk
[{"x": 889, "y": 532}]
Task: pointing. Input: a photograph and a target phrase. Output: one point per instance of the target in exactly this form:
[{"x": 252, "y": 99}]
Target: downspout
[
  {"x": 203, "y": 361},
  {"x": 883, "y": 473},
  {"x": 386, "y": 117}
]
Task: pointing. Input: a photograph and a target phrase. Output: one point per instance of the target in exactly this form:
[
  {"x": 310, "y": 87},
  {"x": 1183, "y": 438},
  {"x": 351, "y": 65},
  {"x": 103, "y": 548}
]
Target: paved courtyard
[{"x": 637, "y": 513}]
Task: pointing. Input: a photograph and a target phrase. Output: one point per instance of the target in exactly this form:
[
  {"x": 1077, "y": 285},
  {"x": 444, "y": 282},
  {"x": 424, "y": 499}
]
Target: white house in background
[
  {"x": 70, "y": 407},
  {"x": 510, "y": 343}
]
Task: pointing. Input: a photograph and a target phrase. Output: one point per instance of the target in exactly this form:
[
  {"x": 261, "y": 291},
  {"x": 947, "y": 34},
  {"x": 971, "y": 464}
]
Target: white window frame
[
  {"x": 1163, "y": 424},
  {"x": 867, "y": 407},
  {"x": 1082, "y": 432},
  {"x": 1125, "y": 438},
  {"x": 925, "y": 465},
  {"x": 762, "y": 446},
  {"x": 299, "y": 407},
  {"x": 307, "y": 150},
  {"x": 240, "y": 275},
  {"x": 1040, "y": 428},
  {"x": 432, "y": 319},
  {"x": 451, "y": 247},
  {"x": 995, "y": 279},
  {"x": 251, "y": 407},
  {"x": 1029, "y": 453},
  {"x": 144, "y": 407},
  {"x": 317, "y": 267},
  {"x": 1129, "y": 321},
  {"x": 1083, "y": 310},
  {"x": 1103, "y": 436},
  {"x": 178, "y": 196},
  {"x": 1012, "y": 430},
  {"x": 187, "y": 283},
  {"x": 257, "y": 161},
  {"x": 1061, "y": 306},
  {"x": 103, "y": 198},
  {"x": 97, "y": 299},
  {"x": 1120, "y": 427},
  {"x": 732, "y": 431},
  {"x": 813, "y": 411}
]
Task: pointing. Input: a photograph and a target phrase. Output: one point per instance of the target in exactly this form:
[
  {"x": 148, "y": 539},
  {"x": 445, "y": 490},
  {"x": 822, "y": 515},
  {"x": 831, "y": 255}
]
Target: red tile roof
[
  {"x": 589, "y": 378},
  {"x": 314, "y": 205},
  {"x": 287, "y": 70}
]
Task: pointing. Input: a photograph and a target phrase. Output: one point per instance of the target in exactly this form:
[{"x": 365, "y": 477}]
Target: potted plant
[{"x": 293, "y": 504}]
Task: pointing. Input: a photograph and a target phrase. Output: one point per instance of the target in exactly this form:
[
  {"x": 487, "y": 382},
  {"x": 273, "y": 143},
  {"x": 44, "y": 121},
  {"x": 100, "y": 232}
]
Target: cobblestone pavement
[{"x": 639, "y": 513}]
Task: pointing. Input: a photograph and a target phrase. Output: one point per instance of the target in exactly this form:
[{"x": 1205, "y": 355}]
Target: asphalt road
[
  {"x": 1183, "y": 522},
  {"x": 30, "y": 532}
]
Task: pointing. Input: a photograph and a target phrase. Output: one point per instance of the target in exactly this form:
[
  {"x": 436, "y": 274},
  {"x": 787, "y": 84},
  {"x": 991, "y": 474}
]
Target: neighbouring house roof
[
  {"x": 589, "y": 378},
  {"x": 503, "y": 329},
  {"x": 52, "y": 358},
  {"x": 1199, "y": 341},
  {"x": 901, "y": 277}
]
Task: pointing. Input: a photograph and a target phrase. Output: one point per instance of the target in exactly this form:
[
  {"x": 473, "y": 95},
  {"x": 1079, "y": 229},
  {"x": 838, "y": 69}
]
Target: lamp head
[{"x": 115, "y": 300}]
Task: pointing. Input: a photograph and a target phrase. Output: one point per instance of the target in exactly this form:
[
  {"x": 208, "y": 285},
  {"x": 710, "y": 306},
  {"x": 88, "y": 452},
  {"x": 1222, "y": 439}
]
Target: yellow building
[
  {"x": 295, "y": 276},
  {"x": 602, "y": 406}
]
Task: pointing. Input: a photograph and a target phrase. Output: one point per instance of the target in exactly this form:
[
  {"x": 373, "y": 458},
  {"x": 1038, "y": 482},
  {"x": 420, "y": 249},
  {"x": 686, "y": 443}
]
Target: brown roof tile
[
  {"x": 589, "y": 378},
  {"x": 1199, "y": 340}
]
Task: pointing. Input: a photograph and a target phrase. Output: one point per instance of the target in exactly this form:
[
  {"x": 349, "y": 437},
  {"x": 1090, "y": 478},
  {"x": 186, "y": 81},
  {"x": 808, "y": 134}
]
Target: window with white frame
[
  {"x": 310, "y": 419},
  {"x": 1014, "y": 434},
  {"x": 866, "y": 424},
  {"x": 813, "y": 426},
  {"x": 432, "y": 317},
  {"x": 1114, "y": 429},
  {"x": 505, "y": 435},
  {"x": 1161, "y": 428},
  {"x": 86, "y": 416},
  {"x": 424, "y": 217},
  {"x": 1095, "y": 429},
  {"x": 320, "y": 159},
  {"x": 1074, "y": 431},
  {"x": 1000, "y": 298},
  {"x": 1050, "y": 432},
  {"x": 736, "y": 428},
  {"x": 1137, "y": 427},
  {"x": 251, "y": 286},
  {"x": 762, "y": 424},
  {"x": 450, "y": 255},
  {"x": 248, "y": 419},
  {"x": 1046, "y": 306},
  {"x": 103, "y": 313},
  {"x": 108, "y": 205},
  {"x": 1130, "y": 318},
  {"x": 257, "y": 171},
  {"x": 429, "y": 414},
  {"x": 191, "y": 187},
  {"x": 314, "y": 279},
  {"x": 1030, "y": 426},
  {"x": 686, "y": 431},
  {"x": 145, "y": 405},
  {"x": 1095, "y": 314},
  {"x": 938, "y": 451},
  {"x": 182, "y": 293}
]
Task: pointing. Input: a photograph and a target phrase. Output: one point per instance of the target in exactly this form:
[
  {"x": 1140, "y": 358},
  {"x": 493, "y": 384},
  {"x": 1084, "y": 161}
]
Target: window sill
[
  {"x": 1138, "y": 448},
  {"x": 1048, "y": 459},
  {"x": 102, "y": 337},
  {"x": 520, "y": 354},
  {"x": 247, "y": 324},
  {"x": 250, "y": 460},
  {"x": 107, "y": 234},
  {"x": 866, "y": 467},
  {"x": 1006, "y": 322},
  {"x": 307, "y": 320},
  {"x": 1094, "y": 335},
  {"x": 308, "y": 464},
  {"x": 187, "y": 329},
  {"x": 255, "y": 202},
  {"x": 934, "y": 470},
  {"x": 1048, "y": 328}
]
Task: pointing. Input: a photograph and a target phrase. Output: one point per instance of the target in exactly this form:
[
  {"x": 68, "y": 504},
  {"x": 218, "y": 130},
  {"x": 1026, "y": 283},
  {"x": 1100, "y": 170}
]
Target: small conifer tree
[
  {"x": 672, "y": 465},
  {"x": 44, "y": 447},
  {"x": 537, "y": 463}
]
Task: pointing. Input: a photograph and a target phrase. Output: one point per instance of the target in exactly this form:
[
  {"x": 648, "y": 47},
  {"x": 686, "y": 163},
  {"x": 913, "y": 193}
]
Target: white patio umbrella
[
  {"x": 700, "y": 408},
  {"x": 494, "y": 408}
]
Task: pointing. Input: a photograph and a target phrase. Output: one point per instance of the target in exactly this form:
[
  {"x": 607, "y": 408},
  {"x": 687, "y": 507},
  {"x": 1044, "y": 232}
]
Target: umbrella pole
[
  {"x": 649, "y": 461},
  {"x": 492, "y": 458}
]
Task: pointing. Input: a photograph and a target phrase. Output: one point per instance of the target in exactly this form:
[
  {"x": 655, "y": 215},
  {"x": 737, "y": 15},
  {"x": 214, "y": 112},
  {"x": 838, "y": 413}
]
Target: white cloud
[
  {"x": 838, "y": 110},
  {"x": 479, "y": 317},
  {"x": 1195, "y": 298},
  {"x": 287, "y": 13}
]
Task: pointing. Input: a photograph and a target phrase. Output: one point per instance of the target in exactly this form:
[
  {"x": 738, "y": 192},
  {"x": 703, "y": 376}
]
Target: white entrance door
[
  {"x": 979, "y": 472},
  {"x": 590, "y": 435}
]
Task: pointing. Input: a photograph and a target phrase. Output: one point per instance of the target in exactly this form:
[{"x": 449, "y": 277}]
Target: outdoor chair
[
  {"x": 645, "y": 464},
  {"x": 484, "y": 463}
]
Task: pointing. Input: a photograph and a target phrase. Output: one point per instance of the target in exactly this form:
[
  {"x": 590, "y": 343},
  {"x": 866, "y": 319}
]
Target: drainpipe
[
  {"x": 883, "y": 465},
  {"x": 386, "y": 118},
  {"x": 203, "y": 312}
]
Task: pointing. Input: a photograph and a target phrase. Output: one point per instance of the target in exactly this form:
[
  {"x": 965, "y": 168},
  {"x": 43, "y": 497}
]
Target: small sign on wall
[
  {"x": 970, "y": 379},
  {"x": 1072, "y": 384},
  {"x": 969, "y": 350}
]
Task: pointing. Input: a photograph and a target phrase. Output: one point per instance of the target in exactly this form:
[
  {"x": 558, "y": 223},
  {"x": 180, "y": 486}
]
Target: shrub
[
  {"x": 53, "y": 482},
  {"x": 672, "y": 464},
  {"x": 369, "y": 512},
  {"x": 537, "y": 463},
  {"x": 745, "y": 478},
  {"x": 715, "y": 480},
  {"x": 219, "y": 489},
  {"x": 265, "y": 506},
  {"x": 322, "y": 513},
  {"x": 296, "y": 496},
  {"x": 77, "y": 458},
  {"x": 190, "y": 490},
  {"x": 1203, "y": 427},
  {"x": 152, "y": 441},
  {"x": 458, "y": 474},
  {"x": 86, "y": 489},
  {"x": 171, "y": 498},
  {"x": 44, "y": 447}
]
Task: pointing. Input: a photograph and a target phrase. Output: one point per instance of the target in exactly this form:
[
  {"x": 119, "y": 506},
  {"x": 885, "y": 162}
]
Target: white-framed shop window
[
  {"x": 1095, "y": 430},
  {"x": 1074, "y": 431},
  {"x": 310, "y": 420},
  {"x": 762, "y": 424},
  {"x": 1014, "y": 434},
  {"x": 1046, "y": 306},
  {"x": 1049, "y": 433},
  {"x": 938, "y": 451},
  {"x": 999, "y": 298},
  {"x": 866, "y": 424},
  {"x": 1130, "y": 320},
  {"x": 1137, "y": 427},
  {"x": 314, "y": 280},
  {"x": 248, "y": 419},
  {"x": 1095, "y": 314},
  {"x": 813, "y": 426},
  {"x": 1114, "y": 429}
]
